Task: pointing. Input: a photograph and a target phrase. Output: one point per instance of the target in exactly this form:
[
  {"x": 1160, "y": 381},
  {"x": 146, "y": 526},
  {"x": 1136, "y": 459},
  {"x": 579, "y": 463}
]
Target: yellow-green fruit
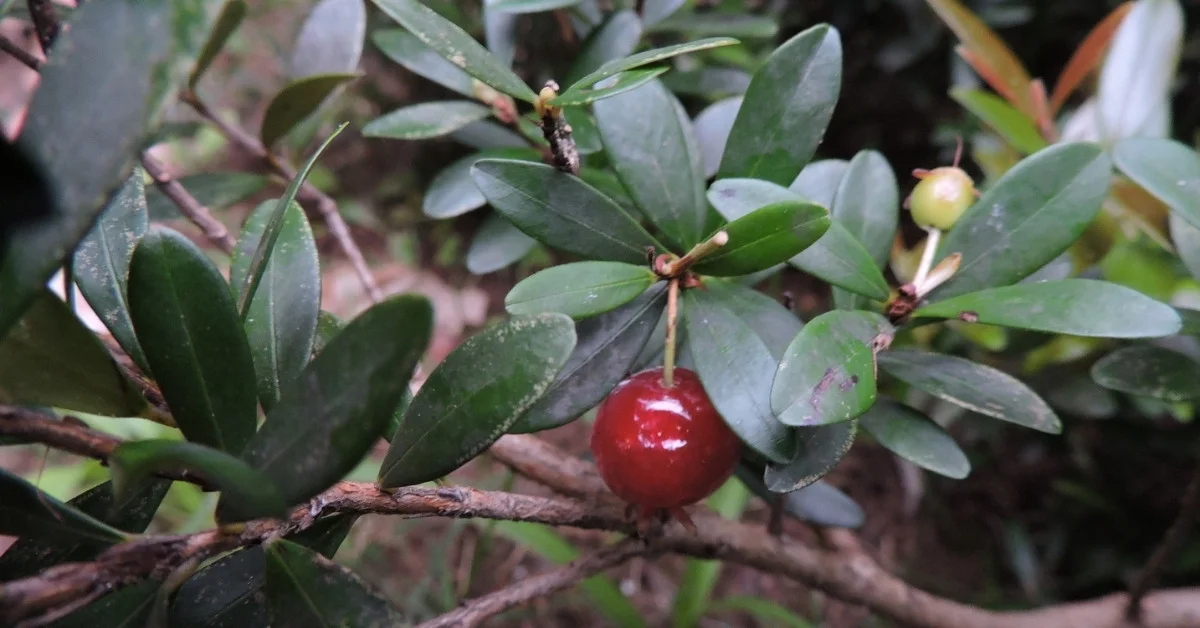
[{"x": 941, "y": 197}]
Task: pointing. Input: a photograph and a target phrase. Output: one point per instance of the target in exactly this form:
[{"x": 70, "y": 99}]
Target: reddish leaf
[
  {"x": 987, "y": 53},
  {"x": 1087, "y": 56}
]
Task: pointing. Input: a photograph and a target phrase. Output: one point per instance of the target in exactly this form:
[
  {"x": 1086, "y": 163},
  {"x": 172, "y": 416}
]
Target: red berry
[{"x": 661, "y": 448}]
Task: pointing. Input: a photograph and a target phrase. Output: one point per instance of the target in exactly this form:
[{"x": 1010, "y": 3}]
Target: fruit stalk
[
  {"x": 931, "y": 245},
  {"x": 672, "y": 315},
  {"x": 698, "y": 252}
]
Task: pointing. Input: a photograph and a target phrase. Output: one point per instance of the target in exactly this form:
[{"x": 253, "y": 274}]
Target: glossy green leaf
[
  {"x": 621, "y": 83},
  {"x": 828, "y": 373},
  {"x": 867, "y": 203},
  {"x": 786, "y": 108},
  {"x": 714, "y": 23},
  {"x": 562, "y": 211},
  {"x": 281, "y": 324},
  {"x": 304, "y": 588},
  {"x": 475, "y": 395},
  {"x": 530, "y": 6},
  {"x": 766, "y": 237},
  {"x": 837, "y": 257},
  {"x": 1015, "y": 127},
  {"x": 1044, "y": 203},
  {"x": 1079, "y": 307},
  {"x": 819, "y": 181},
  {"x": 452, "y": 192},
  {"x": 214, "y": 190},
  {"x": 50, "y": 358},
  {"x": 971, "y": 385},
  {"x": 496, "y": 245},
  {"x": 916, "y": 438},
  {"x": 1149, "y": 371},
  {"x": 604, "y": 355},
  {"x": 693, "y": 596},
  {"x": 649, "y": 139},
  {"x": 618, "y": 37},
  {"x": 767, "y": 613},
  {"x": 266, "y": 243},
  {"x": 231, "y": 17},
  {"x": 579, "y": 290},
  {"x": 820, "y": 449},
  {"x": 426, "y": 120},
  {"x": 117, "y": 53},
  {"x": 736, "y": 368},
  {"x": 101, "y": 262},
  {"x": 31, "y": 554},
  {"x": 1167, "y": 169},
  {"x": 328, "y": 418},
  {"x": 773, "y": 323},
  {"x": 456, "y": 46},
  {"x": 709, "y": 82},
  {"x": 245, "y": 493},
  {"x": 328, "y": 326},
  {"x": 648, "y": 57},
  {"x": 297, "y": 101},
  {"x": 27, "y": 511},
  {"x": 331, "y": 39},
  {"x": 822, "y": 504},
  {"x": 406, "y": 49},
  {"x": 188, "y": 327},
  {"x": 130, "y": 607},
  {"x": 712, "y": 127}
]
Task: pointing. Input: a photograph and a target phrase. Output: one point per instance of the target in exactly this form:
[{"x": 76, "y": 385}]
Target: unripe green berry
[{"x": 942, "y": 195}]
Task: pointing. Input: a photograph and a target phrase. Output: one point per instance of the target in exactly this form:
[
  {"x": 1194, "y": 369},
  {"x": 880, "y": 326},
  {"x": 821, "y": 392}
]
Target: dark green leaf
[
  {"x": 916, "y": 438},
  {"x": 1079, "y": 307},
  {"x": 773, "y": 323},
  {"x": 475, "y": 395},
  {"x": 736, "y": 369},
  {"x": 1149, "y": 371},
  {"x": 579, "y": 290},
  {"x": 766, "y": 237},
  {"x": 187, "y": 325},
  {"x": 609, "y": 185},
  {"x": 50, "y": 358},
  {"x": 1012, "y": 125},
  {"x": 101, "y": 262},
  {"x": 328, "y": 326},
  {"x": 618, "y": 37},
  {"x": 281, "y": 324},
  {"x": 270, "y": 234},
  {"x": 838, "y": 257},
  {"x": 130, "y": 607},
  {"x": 26, "y": 511},
  {"x": 484, "y": 134},
  {"x": 331, "y": 40},
  {"x": 819, "y": 181},
  {"x": 1030, "y": 216},
  {"x": 710, "y": 83},
  {"x": 1079, "y": 395},
  {"x": 31, "y": 554},
  {"x": 426, "y": 120},
  {"x": 607, "y": 348},
  {"x": 649, "y": 57},
  {"x": 452, "y": 192},
  {"x": 328, "y": 418},
  {"x": 649, "y": 139},
  {"x": 823, "y": 504},
  {"x": 214, "y": 190},
  {"x": 828, "y": 372},
  {"x": 583, "y": 130},
  {"x": 456, "y": 46},
  {"x": 820, "y": 449},
  {"x": 971, "y": 385},
  {"x": 496, "y": 245},
  {"x": 1167, "y": 169},
  {"x": 868, "y": 205},
  {"x": 530, "y": 6},
  {"x": 245, "y": 493},
  {"x": 120, "y": 54},
  {"x": 298, "y": 101},
  {"x": 404, "y": 48},
  {"x": 787, "y": 107},
  {"x": 231, "y": 17},
  {"x": 304, "y": 588},
  {"x": 714, "y": 23},
  {"x": 712, "y": 127},
  {"x": 619, "y": 84},
  {"x": 562, "y": 211}
]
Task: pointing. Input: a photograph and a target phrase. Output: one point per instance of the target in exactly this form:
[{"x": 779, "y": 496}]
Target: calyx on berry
[{"x": 660, "y": 448}]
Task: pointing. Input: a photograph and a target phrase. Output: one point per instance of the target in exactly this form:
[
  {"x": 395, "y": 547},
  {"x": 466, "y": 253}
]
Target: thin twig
[
  {"x": 189, "y": 206},
  {"x": 20, "y": 54},
  {"x": 45, "y": 22},
  {"x": 1167, "y": 548},
  {"x": 308, "y": 195}
]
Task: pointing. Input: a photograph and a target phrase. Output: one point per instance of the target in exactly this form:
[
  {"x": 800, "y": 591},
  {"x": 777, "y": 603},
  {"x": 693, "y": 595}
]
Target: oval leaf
[
  {"x": 331, "y": 40},
  {"x": 1044, "y": 203},
  {"x": 649, "y": 57},
  {"x": 773, "y": 323},
  {"x": 1079, "y": 307},
  {"x": 452, "y": 192},
  {"x": 712, "y": 128},
  {"x": 188, "y": 327},
  {"x": 497, "y": 245},
  {"x": 916, "y": 438},
  {"x": 406, "y": 49},
  {"x": 27, "y": 511},
  {"x": 304, "y": 588},
  {"x": 607, "y": 347},
  {"x": 820, "y": 449},
  {"x": 562, "y": 211},
  {"x": 579, "y": 290},
  {"x": 1165, "y": 168},
  {"x": 828, "y": 373},
  {"x": 819, "y": 181},
  {"x": 1149, "y": 371},
  {"x": 765, "y": 237},
  {"x": 245, "y": 493},
  {"x": 296, "y": 102},
  {"x": 475, "y": 395},
  {"x": 786, "y": 108},
  {"x": 426, "y": 120},
  {"x": 328, "y": 418},
  {"x": 867, "y": 203},
  {"x": 973, "y": 386},
  {"x": 619, "y": 84}
]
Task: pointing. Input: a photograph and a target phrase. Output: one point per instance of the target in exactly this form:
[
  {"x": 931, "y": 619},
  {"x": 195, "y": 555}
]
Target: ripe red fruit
[{"x": 662, "y": 448}]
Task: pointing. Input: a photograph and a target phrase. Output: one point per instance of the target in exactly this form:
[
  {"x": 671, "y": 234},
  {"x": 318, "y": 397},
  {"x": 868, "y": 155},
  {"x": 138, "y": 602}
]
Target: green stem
[
  {"x": 698, "y": 252},
  {"x": 672, "y": 316}
]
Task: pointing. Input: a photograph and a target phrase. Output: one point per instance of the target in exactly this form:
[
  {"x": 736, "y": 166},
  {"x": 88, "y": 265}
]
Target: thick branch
[{"x": 193, "y": 209}]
